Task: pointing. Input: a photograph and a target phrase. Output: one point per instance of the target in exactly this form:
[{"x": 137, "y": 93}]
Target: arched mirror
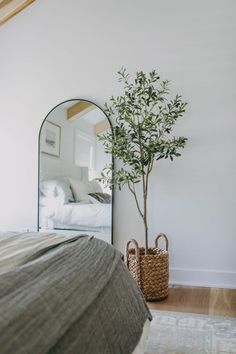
[{"x": 71, "y": 158}]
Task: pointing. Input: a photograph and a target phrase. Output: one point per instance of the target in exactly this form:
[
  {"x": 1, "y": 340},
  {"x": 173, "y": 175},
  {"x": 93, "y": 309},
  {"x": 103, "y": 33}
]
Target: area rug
[{"x": 188, "y": 333}]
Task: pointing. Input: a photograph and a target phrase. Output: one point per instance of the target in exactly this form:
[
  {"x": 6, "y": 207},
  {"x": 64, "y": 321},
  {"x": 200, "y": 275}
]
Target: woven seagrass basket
[{"x": 151, "y": 271}]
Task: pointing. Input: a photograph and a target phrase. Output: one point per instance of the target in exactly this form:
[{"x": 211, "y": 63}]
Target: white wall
[
  {"x": 51, "y": 165},
  {"x": 56, "y": 50}
]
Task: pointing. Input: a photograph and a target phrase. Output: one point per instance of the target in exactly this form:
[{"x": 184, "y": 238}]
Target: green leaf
[{"x": 144, "y": 118}]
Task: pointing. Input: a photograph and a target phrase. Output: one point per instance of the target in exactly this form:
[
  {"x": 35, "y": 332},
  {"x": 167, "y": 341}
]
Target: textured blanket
[{"x": 72, "y": 296}]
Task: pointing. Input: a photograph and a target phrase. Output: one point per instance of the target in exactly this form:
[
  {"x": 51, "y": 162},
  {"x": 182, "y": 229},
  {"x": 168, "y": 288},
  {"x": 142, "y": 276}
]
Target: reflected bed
[
  {"x": 77, "y": 216},
  {"x": 70, "y": 204}
]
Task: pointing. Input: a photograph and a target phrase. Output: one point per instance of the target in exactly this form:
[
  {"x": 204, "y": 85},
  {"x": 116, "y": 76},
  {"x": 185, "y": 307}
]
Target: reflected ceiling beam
[
  {"x": 79, "y": 109},
  {"x": 9, "y": 8},
  {"x": 101, "y": 127}
]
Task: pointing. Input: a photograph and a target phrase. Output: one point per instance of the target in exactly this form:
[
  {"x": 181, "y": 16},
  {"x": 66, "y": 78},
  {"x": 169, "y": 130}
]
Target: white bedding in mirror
[{"x": 82, "y": 216}]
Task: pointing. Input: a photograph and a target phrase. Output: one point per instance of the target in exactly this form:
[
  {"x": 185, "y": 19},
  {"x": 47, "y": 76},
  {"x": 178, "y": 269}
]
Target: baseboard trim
[{"x": 203, "y": 277}]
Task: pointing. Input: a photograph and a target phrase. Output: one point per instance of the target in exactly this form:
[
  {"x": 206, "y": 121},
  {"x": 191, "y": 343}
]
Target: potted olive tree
[{"x": 143, "y": 119}]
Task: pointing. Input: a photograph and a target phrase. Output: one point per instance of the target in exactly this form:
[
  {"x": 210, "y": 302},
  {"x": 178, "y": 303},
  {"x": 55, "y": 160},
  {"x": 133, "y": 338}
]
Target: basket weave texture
[{"x": 151, "y": 271}]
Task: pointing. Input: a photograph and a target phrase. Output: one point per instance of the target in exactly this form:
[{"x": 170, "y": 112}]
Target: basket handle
[
  {"x": 165, "y": 238},
  {"x": 136, "y": 247}
]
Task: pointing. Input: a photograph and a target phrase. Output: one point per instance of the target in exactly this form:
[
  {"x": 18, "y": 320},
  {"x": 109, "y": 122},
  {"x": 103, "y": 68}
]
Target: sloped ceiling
[{"x": 9, "y": 8}]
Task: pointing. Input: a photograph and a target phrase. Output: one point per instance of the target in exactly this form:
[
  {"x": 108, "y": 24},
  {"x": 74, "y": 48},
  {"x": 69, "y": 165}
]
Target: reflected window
[{"x": 84, "y": 150}]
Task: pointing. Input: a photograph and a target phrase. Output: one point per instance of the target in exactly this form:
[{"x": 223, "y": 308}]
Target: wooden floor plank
[
  {"x": 222, "y": 301},
  {"x": 202, "y": 300}
]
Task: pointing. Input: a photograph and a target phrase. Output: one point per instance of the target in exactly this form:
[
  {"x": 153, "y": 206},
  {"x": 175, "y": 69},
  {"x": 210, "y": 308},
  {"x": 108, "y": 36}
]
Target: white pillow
[
  {"x": 58, "y": 189},
  {"x": 80, "y": 190},
  {"x": 94, "y": 187},
  {"x": 50, "y": 202},
  {"x": 48, "y": 188}
]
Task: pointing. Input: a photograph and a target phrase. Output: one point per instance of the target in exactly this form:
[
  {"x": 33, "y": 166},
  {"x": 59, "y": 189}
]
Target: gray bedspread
[{"x": 75, "y": 296}]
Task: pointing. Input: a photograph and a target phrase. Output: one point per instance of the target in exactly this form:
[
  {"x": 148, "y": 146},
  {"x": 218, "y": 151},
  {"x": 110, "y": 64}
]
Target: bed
[
  {"x": 70, "y": 204},
  {"x": 77, "y": 216},
  {"x": 67, "y": 294}
]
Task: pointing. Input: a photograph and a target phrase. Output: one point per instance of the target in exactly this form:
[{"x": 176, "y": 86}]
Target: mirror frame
[{"x": 112, "y": 158}]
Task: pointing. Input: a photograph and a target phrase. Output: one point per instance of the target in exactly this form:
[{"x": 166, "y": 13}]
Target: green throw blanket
[{"x": 74, "y": 296}]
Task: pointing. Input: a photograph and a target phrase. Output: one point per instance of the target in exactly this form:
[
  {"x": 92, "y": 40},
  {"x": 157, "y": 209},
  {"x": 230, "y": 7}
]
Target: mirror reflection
[{"x": 71, "y": 158}]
